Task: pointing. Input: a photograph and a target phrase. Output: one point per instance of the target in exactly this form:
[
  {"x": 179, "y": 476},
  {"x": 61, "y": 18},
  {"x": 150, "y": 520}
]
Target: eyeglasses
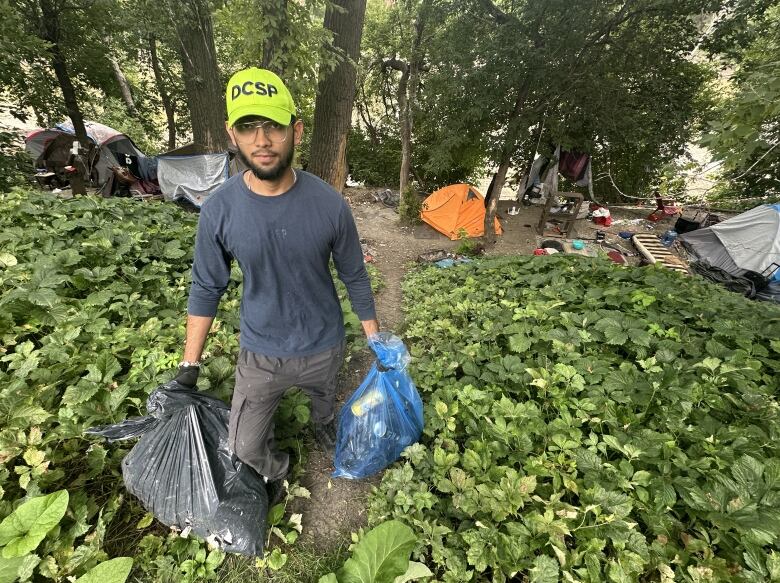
[{"x": 246, "y": 133}]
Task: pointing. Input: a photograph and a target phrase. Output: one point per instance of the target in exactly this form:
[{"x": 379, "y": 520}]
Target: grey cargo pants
[{"x": 261, "y": 382}]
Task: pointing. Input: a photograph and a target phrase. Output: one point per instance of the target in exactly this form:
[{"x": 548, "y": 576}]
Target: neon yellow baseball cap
[{"x": 260, "y": 92}]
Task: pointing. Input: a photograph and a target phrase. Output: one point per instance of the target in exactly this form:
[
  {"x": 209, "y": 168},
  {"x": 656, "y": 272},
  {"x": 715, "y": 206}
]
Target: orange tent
[{"x": 454, "y": 208}]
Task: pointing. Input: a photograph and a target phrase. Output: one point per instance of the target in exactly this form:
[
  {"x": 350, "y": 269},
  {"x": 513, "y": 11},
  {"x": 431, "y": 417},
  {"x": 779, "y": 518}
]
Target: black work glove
[{"x": 187, "y": 376}]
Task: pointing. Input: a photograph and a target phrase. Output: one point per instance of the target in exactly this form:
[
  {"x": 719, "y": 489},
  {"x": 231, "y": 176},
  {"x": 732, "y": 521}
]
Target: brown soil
[{"x": 338, "y": 506}]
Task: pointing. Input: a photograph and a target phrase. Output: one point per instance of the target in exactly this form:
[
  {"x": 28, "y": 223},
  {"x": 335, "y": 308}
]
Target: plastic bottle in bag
[{"x": 367, "y": 402}]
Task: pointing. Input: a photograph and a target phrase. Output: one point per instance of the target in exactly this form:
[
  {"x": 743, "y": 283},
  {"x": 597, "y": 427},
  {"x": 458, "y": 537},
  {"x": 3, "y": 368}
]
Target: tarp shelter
[
  {"x": 457, "y": 208},
  {"x": 112, "y": 148},
  {"x": 746, "y": 242},
  {"x": 191, "y": 178}
]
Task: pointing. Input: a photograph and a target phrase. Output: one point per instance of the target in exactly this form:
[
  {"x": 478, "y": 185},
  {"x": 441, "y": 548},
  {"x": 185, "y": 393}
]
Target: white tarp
[
  {"x": 191, "y": 177},
  {"x": 752, "y": 239}
]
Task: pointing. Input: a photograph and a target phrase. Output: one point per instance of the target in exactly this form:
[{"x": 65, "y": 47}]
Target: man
[{"x": 281, "y": 226}]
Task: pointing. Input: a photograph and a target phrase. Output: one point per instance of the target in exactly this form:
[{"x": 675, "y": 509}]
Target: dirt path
[{"x": 337, "y": 507}]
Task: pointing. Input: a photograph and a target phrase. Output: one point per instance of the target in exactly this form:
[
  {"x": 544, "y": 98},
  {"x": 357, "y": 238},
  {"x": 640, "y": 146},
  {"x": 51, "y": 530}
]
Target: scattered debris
[
  {"x": 442, "y": 258},
  {"x": 388, "y": 197},
  {"x": 650, "y": 247},
  {"x": 369, "y": 255},
  {"x": 433, "y": 256}
]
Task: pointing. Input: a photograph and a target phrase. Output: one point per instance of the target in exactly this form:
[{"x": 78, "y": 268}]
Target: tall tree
[
  {"x": 48, "y": 18},
  {"x": 205, "y": 90},
  {"x": 744, "y": 129},
  {"x": 609, "y": 77},
  {"x": 407, "y": 97},
  {"x": 336, "y": 93},
  {"x": 395, "y": 61},
  {"x": 167, "y": 102},
  {"x": 291, "y": 42},
  {"x": 124, "y": 86}
]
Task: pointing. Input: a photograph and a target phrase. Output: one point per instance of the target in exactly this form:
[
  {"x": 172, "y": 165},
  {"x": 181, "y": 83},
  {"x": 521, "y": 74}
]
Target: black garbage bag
[{"x": 184, "y": 473}]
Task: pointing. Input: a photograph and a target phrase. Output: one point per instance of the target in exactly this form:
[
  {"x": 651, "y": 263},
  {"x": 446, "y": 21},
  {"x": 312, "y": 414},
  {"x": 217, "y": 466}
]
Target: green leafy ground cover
[
  {"x": 589, "y": 423},
  {"x": 92, "y": 303}
]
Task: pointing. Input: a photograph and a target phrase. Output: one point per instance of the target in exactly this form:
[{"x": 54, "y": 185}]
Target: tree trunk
[
  {"x": 205, "y": 93},
  {"x": 336, "y": 94},
  {"x": 410, "y": 96},
  {"x": 50, "y": 31},
  {"x": 497, "y": 183},
  {"x": 170, "y": 114},
  {"x": 124, "y": 87},
  {"x": 406, "y": 130}
]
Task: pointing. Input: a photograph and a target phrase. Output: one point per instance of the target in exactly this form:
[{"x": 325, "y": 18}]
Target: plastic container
[{"x": 668, "y": 238}]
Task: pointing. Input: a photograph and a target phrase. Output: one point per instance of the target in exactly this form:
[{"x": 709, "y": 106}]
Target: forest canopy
[{"x": 441, "y": 91}]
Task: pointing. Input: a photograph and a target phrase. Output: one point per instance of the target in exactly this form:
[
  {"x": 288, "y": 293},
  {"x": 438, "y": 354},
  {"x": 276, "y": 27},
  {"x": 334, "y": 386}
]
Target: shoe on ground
[{"x": 325, "y": 436}]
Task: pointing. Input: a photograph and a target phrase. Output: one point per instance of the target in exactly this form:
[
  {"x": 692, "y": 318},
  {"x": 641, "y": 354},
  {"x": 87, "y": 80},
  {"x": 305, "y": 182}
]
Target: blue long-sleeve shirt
[{"x": 283, "y": 245}]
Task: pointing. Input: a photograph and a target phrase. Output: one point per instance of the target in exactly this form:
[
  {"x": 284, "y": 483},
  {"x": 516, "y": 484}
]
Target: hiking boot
[{"x": 325, "y": 436}]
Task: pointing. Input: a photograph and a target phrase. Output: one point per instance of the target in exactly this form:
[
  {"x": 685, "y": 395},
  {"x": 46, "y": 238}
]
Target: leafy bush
[
  {"x": 468, "y": 246},
  {"x": 589, "y": 423},
  {"x": 373, "y": 164},
  {"x": 410, "y": 206}
]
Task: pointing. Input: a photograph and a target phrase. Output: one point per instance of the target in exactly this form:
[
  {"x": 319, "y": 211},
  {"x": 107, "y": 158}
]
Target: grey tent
[
  {"x": 51, "y": 147},
  {"x": 749, "y": 242}
]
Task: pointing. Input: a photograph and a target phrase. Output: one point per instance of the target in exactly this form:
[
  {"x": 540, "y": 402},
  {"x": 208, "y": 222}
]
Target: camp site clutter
[{"x": 117, "y": 167}]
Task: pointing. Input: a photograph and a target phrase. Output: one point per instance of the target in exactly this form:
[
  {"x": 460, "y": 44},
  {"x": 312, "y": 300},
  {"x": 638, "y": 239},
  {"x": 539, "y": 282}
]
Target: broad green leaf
[
  {"x": 545, "y": 570},
  {"x": 24, "y": 529},
  {"x": 754, "y": 558},
  {"x": 7, "y": 260},
  {"x": 27, "y": 568},
  {"x": 43, "y": 297},
  {"x": 81, "y": 392},
  {"x": 112, "y": 571},
  {"x": 380, "y": 556},
  {"x": 277, "y": 559},
  {"x": 276, "y": 514},
  {"x": 415, "y": 571},
  {"x": 773, "y": 565},
  {"x": 329, "y": 578},
  {"x": 173, "y": 250},
  {"x": 146, "y": 521},
  {"x": 214, "y": 559},
  {"x": 9, "y": 568}
]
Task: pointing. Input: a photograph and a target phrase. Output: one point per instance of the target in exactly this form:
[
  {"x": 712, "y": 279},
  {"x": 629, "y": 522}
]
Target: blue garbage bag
[{"x": 383, "y": 416}]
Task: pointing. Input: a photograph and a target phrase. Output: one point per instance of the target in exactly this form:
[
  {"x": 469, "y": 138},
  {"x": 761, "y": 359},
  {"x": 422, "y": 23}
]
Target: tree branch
[
  {"x": 394, "y": 63},
  {"x": 495, "y": 12}
]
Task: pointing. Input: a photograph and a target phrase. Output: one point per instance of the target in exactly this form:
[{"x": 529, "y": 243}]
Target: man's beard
[{"x": 274, "y": 173}]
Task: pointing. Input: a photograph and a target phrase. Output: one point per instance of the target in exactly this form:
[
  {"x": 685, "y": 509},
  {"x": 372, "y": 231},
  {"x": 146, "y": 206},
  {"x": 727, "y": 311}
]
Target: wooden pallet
[{"x": 651, "y": 248}]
